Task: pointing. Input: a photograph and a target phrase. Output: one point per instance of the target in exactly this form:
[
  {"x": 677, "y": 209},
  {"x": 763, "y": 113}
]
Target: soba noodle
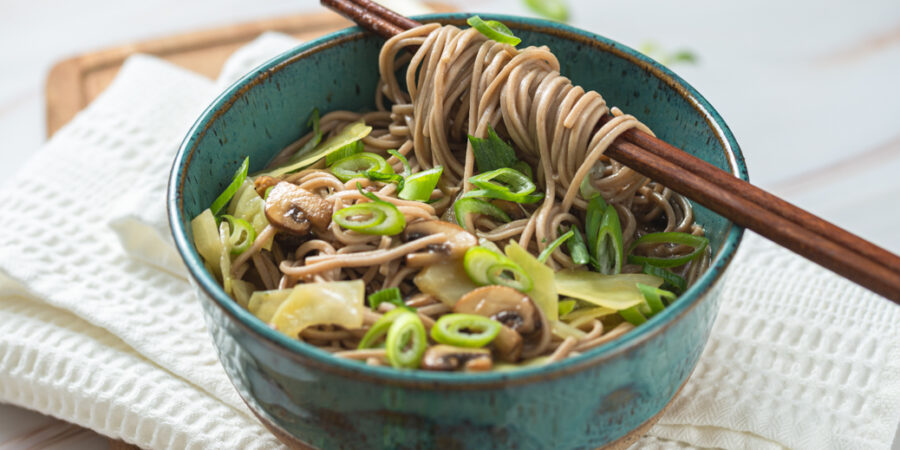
[{"x": 459, "y": 83}]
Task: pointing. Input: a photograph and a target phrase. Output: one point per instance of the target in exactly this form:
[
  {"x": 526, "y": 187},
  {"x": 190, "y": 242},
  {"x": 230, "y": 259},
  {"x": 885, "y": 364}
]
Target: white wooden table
[{"x": 811, "y": 89}]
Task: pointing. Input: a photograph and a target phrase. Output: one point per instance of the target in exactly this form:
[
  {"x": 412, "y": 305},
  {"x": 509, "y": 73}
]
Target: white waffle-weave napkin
[{"x": 98, "y": 325}]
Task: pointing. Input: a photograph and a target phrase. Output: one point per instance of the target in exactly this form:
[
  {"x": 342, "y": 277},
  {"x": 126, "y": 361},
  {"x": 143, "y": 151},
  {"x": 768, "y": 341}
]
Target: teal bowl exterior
[{"x": 307, "y": 397}]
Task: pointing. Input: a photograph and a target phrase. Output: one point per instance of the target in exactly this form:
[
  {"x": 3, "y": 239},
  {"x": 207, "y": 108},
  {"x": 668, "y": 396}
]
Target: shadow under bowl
[{"x": 310, "y": 398}]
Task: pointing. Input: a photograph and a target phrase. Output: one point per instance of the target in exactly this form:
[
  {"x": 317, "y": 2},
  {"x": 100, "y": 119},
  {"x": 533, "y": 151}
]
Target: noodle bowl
[{"x": 443, "y": 92}]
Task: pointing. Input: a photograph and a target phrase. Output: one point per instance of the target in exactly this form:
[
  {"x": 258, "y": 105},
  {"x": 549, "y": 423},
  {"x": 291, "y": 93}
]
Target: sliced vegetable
[
  {"x": 577, "y": 248},
  {"x": 380, "y": 328},
  {"x": 566, "y": 306},
  {"x": 633, "y": 315},
  {"x": 616, "y": 292},
  {"x": 585, "y": 315},
  {"x": 465, "y": 330},
  {"x": 494, "y": 30},
  {"x": 348, "y": 135},
  {"x": 699, "y": 243},
  {"x": 263, "y": 304},
  {"x": 206, "y": 238},
  {"x": 544, "y": 293},
  {"x": 361, "y": 165},
  {"x": 376, "y": 217},
  {"x": 504, "y": 184},
  {"x": 329, "y": 303},
  {"x": 390, "y": 295},
  {"x": 418, "y": 186},
  {"x": 248, "y": 205},
  {"x": 592, "y": 218},
  {"x": 225, "y": 257},
  {"x": 524, "y": 168},
  {"x": 446, "y": 281},
  {"x": 344, "y": 152},
  {"x": 468, "y": 205},
  {"x": 607, "y": 253},
  {"x": 671, "y": 280},
  {"x": 654, "y": 297},
  {"x": 486, "y": 267},
  {"x": 492, "y": 153},
  {"x": 406, "y": 341},
  {"x": 545, "y": 254},
  {"x": 241, "y": 291},
  {"x": 552, "y": 9},
  {"x": 236, "y": 181},
  {"x": 406, "y": 169},
  {"x": 565, "y": 330},
  {"x": 242, "y": 234}
]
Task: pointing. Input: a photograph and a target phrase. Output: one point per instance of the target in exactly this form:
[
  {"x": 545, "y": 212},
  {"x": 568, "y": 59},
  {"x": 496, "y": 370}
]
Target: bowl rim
[{"x": 310, "y": 355}]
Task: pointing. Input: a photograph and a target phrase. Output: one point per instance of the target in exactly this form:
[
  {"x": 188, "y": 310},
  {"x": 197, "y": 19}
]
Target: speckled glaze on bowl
[{"x": 309, "y": 398}]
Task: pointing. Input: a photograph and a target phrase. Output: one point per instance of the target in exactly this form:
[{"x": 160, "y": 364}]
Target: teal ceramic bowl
[{"x": 309, "y": 398}]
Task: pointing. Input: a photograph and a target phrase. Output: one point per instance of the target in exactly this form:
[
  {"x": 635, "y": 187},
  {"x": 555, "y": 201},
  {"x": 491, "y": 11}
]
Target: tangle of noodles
[{"x": 460, "y": 83}]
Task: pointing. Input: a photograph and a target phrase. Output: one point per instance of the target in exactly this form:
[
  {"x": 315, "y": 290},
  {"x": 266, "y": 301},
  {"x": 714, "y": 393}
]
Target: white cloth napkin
[{"x": 99, "y": 327}]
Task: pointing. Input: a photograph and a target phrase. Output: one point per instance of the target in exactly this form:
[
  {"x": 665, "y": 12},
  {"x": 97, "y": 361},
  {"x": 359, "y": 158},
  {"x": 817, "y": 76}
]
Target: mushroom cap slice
[
  {"x": 448, "y": 357},
  {"x": 292, "y": 209},
  {"x": 503, "y": 304},
  {"x": 507, "y": 345},
  {"x": 458, "y": 241}
]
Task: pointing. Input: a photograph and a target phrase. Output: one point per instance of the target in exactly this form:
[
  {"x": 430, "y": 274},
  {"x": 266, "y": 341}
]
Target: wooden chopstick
[{"x": 744, "y": 204}]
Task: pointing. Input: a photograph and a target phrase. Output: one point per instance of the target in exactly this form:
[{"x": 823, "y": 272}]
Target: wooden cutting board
[{"x": 73, "y": 83}]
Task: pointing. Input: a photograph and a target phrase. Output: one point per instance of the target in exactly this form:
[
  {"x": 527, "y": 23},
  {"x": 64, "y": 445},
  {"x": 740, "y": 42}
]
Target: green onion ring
[
  {"x": 379, "y": 328},
  {"x": 699, "y": 243},
  {"x": 359, "y": 165},
  {"x": 419, "y": 186},
  {"x": 545, "y": 254},
  {"x": 406, "y": 341},
  {"x": 672, "y": 280},
  {"x": 465, "y": 330},
  {"x": 239, "y": 228}
]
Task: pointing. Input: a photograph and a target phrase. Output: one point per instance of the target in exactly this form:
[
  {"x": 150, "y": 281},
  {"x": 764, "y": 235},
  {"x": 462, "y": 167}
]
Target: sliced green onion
[
  {"x": 236, "y": 181},
  {"x": 242, "y": 234},
  {"x": 360, "y": 165},
  {"x": 655, "y": 296},
  {"x": 465, "y": 330},
  {"x": 670, "y": 280},
  {"x": 492, "y": 153},
  {"x": 468, "y": 205},
  {"x": 551, "y": 9},
  {"x": 390, "y": 295},
  {"x": 524, "y": 168},
  {"x": 406, "y": 169},
  {"x": 377, "y": 217},
  {"x": 406, "y": 341},
  {"x": 699, "y": 243},
  {"x": 418, "y": 186},
  {"x": 607, "y": 254},
  {"x": 577, "y": 249},
  {"x": 633, "y": 315},
  {"x": 545, "y": 254},
  {"x": 345, "y": 151},
  {"x": 379, "y": 328},
  {"x": 593, "y": 215},
  {"x": 504, "y": 184},
  {"x": 494, "y": 30},
  {"x": 486, "y": 267},
  {"x": 566, "y": 306}
]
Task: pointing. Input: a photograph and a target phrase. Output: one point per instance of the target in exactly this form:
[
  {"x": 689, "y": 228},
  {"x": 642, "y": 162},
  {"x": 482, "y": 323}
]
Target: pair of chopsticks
[{"x": 744, "y": 204}]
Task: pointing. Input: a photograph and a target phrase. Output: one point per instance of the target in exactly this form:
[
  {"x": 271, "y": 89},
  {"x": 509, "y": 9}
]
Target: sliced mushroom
[
  {"x": 515, "y": 310},
  {"x": 448, "y": 357},
  {"x": 503, "y": 304},
  {"x": 507, "y": 345},
  {"x": 291, "y": 208},
  {"x": 458, "y": 241},
  {"x": 264, "y": 182}
]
